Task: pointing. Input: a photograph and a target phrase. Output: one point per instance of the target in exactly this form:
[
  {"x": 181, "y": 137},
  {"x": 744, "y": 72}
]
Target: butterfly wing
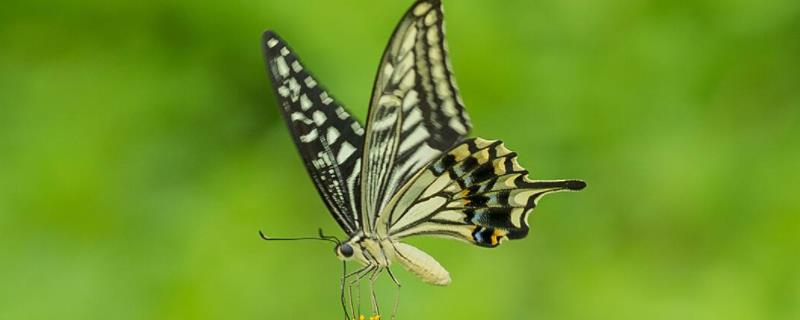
[
  {"x": 416, "y": 113},
  {"x": 476, "y": 192},
  {"x": 328, "y": 138}
]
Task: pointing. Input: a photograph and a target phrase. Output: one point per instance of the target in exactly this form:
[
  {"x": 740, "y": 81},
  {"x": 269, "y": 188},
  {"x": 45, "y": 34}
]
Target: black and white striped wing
[
  {"x": 416, "y": 113},
  {"x": 329, "y": 139},
  {"x": 476, "y": 192}
]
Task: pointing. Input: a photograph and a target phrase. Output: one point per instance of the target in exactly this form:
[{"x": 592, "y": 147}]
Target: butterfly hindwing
[
  {"x": 476, "y": 192},
  {"x": 416, "y": 112},
  {"x": 328, "y": 138}
]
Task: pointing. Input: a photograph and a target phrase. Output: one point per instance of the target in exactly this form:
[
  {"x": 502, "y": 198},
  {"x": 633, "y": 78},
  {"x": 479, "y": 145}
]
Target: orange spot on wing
[{"x": 497, "y": 235}]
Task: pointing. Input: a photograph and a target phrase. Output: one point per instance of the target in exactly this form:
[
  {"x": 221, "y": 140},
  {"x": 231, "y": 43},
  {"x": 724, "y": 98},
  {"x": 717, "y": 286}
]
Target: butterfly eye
[{"x": 346, "y": 250}]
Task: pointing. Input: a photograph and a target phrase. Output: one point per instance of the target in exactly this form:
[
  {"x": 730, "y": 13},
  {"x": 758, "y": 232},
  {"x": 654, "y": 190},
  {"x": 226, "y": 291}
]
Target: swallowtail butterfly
[{"x": 413, "y": 170}]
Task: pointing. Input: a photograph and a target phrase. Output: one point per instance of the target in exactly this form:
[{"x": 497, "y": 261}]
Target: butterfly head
[
  {"x": 345, "y": 251},
  {"x": 351, "y": 249}
]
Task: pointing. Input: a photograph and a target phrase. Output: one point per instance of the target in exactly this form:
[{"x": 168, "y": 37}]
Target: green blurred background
[{"x": 141, "y": 150}]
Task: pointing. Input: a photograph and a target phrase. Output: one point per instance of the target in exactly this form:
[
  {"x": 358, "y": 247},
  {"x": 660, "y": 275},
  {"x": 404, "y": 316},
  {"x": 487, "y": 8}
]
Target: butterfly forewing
[
  {"x": 476, "y": 192},
  {"x": 328, "y": 138},
  {"x": 416, "y": 112}
]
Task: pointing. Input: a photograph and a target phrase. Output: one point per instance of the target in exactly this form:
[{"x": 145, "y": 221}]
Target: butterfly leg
[
  {"x": 397, "y": 296},
  {"x": 359, "y": 275},
  {"x": 375, "y": 308},
  {"x": 353, "y": 304},
  {"x": 356, "y": 272},
  {"x": 343, "y": 284}
]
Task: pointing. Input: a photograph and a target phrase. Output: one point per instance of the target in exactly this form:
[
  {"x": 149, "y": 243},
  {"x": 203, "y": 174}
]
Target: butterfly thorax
[{"x": 368, "y": 250}]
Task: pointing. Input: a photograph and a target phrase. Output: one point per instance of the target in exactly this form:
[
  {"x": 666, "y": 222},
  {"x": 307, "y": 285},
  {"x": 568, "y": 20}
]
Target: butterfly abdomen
[{"x": 421, "y": 264}]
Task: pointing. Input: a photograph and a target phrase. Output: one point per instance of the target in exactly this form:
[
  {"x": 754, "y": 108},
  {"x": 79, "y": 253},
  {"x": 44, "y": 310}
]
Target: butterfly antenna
[
  {"x": 321, "y": 237},
  {"x": 329, "y": 238}
]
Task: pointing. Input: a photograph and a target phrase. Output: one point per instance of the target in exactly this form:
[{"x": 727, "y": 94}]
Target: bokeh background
[{"x": 141, "y": 150}]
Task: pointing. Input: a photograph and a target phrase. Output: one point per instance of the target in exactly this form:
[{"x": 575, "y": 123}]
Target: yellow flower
[{"x": 375, "y": 317}]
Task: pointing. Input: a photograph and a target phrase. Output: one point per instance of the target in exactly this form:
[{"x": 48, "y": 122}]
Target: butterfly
[{"x": 412, "y": 171}]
